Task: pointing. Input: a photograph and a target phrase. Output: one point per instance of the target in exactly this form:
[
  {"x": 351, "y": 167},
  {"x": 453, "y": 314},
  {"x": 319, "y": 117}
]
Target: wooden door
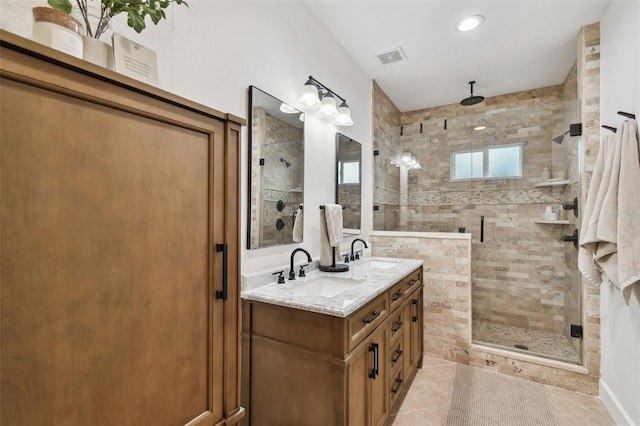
[{"x": 110, "y": 215}]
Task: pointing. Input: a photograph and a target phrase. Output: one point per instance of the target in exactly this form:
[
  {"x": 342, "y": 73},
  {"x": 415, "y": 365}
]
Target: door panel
[{"x": 106, "y": 245}]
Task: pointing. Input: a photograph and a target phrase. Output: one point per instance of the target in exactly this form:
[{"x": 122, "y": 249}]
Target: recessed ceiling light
[{"x": 470, "y": 22}]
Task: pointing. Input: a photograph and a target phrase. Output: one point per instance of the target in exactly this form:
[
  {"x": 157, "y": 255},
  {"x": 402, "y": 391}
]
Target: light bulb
[
  {"x": 344, "y": 116},
  {"x": 309, "y": 98},
  {"x": 328, "y": 108}
]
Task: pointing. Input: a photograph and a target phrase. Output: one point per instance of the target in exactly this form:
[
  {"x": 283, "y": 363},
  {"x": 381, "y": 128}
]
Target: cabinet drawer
[
  {"x": 396, "y": 356},
  {"x": 412, "y": 281},
  {"x": 365, "y": 320},
  {"x": 395, "y": 295},
  {"x": 395, "y": 386},
  {"x": 396, "y": 325}
]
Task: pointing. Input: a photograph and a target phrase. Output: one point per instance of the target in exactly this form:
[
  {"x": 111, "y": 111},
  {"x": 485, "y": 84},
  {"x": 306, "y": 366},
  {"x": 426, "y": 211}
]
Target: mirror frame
[{"x": 251, "y": 197}]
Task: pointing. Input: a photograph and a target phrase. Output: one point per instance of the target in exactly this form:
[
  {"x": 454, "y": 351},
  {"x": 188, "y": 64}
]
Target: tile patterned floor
[
  {"x": 540, "y": 343},
  {"x": 427, "y": 401}
]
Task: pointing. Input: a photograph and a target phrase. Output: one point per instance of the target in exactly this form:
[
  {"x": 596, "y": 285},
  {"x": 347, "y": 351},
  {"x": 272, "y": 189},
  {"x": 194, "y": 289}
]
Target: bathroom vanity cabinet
[
  {"x": 119, "y": 248},
  {"x": 309, "y": 368}
]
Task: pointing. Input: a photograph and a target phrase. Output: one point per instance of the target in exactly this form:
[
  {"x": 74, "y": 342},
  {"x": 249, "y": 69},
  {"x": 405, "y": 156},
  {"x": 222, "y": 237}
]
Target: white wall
[
  {"x": 620, "y": 322},
  {"x": 212, "y": 51}
]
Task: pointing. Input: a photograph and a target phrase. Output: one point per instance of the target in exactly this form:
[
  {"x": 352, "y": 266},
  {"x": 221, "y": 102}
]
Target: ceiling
[{"x": 521, "y": 44}]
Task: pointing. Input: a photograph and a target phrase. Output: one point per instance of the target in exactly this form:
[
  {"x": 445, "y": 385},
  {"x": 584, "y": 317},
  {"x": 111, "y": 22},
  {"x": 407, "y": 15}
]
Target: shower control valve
[{"x": 573, "y": 205}]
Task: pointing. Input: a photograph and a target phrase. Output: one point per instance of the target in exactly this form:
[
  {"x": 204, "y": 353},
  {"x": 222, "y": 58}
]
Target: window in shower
[
  {"x": 494, "y": 162},
  {"x": 348, "y": 172}
]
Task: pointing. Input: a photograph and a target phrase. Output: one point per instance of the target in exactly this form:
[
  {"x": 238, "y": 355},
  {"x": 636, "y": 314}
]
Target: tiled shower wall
[{"x": 447, "y": 281}]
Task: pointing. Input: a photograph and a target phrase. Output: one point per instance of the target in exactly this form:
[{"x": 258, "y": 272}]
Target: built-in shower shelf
[
  {"x": 553, "y": 183},
  {"x": 553, "y": 222}
]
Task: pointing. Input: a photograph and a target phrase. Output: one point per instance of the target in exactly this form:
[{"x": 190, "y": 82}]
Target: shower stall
[{"x": 510, "y": 177}]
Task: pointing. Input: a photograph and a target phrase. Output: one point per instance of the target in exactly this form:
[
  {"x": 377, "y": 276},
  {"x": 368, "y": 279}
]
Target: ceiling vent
[{"x": 394, "y": 55}]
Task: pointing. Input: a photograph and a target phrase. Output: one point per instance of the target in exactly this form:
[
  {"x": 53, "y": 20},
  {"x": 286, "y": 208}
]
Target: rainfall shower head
[
  {"x": 472, "y": 100},
  {"x": 558, "y": 139}
]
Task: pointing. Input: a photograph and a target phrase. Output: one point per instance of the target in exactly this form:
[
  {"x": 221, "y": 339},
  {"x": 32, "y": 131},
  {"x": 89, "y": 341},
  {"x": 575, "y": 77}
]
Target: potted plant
[
  {"x": 136, "y": 10},
  {"x": 97, "y": 15}
]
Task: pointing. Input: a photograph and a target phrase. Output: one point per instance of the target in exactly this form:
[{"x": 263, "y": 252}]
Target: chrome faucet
[
  {"x": 357, "y": 256},
  {"x": 292, "y": 272}
]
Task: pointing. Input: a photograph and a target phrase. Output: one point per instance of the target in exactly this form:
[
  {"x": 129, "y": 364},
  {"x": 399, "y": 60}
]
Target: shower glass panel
[{"x": 525, "y": 280}]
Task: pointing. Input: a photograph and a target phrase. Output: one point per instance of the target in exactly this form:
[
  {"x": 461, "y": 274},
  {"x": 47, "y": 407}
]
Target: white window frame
[
  {"x": 341, "y": 172},
  {"x": 485, "y": 162}
]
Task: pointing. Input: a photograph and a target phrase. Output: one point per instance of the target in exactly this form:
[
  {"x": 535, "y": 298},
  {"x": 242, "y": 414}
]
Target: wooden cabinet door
[
  {"x": 417, "y": 328},
  {"x": 110, "y": 215},
  {"x": 378, "y": 400},
  {"x": 360, "y": 366},
  {"x": 367, "y": 400}
]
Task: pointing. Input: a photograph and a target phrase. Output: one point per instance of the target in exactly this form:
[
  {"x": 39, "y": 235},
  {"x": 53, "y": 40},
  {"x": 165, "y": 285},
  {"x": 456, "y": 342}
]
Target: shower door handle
[{"x": 482, "y": 229}]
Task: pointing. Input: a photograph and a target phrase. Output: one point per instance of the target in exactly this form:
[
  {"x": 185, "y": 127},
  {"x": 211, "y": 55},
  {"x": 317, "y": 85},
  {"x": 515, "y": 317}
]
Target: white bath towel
[
  {"x": 330, "y": 233},
  {"x": 298, "y": 225},
  {"x": 592, "y": 206},
  {"x": 620, "y": 214}
]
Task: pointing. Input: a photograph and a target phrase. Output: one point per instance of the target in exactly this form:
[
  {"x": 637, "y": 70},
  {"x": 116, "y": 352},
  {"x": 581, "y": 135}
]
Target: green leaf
[
  {"x": 135, "y": 21},
  {"x": 62, "y": 5}
]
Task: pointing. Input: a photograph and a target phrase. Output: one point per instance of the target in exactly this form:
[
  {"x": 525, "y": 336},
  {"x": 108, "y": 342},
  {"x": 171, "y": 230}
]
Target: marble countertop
[{"x": 333, "y": 293}]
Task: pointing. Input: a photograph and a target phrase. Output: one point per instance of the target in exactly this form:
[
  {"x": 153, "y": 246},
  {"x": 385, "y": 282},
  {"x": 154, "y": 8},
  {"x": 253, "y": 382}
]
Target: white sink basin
[
  {"x": 382, "y": 264},
  {"x": 325, "y": 286}
]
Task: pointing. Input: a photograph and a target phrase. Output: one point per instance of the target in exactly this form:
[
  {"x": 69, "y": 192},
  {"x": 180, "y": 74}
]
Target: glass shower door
[{"x": 525, "y": 281}]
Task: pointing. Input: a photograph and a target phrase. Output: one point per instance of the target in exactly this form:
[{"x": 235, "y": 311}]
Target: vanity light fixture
[
  {"x": 470, "y": 23},
  {"x": 316, "y": 95}
]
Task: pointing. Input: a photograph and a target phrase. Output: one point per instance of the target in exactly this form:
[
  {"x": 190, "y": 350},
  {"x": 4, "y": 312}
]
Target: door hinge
[{"x": 576, "y": 331}]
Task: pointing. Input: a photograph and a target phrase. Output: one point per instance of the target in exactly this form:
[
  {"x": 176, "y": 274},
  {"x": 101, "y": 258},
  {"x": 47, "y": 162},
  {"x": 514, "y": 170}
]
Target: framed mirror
[
  {"x": 276, "y": 172},
  {"x": 348, "y": 182}
]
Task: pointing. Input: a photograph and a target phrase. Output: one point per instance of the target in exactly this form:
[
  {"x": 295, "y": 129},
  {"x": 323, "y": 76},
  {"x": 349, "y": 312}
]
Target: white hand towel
[
  {"x": 595, "y": 195},
  {"x": 330, "y": 233},
  {"x": 298, "y": 225},
  {"x": 333, "y": 216},
  {"x": 621, "y": 263}
]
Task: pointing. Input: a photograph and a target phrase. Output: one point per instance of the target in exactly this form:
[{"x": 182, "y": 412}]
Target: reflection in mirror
[
  {"x": 276, "y": 172},
  {"x": 348, "y": 186}
]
